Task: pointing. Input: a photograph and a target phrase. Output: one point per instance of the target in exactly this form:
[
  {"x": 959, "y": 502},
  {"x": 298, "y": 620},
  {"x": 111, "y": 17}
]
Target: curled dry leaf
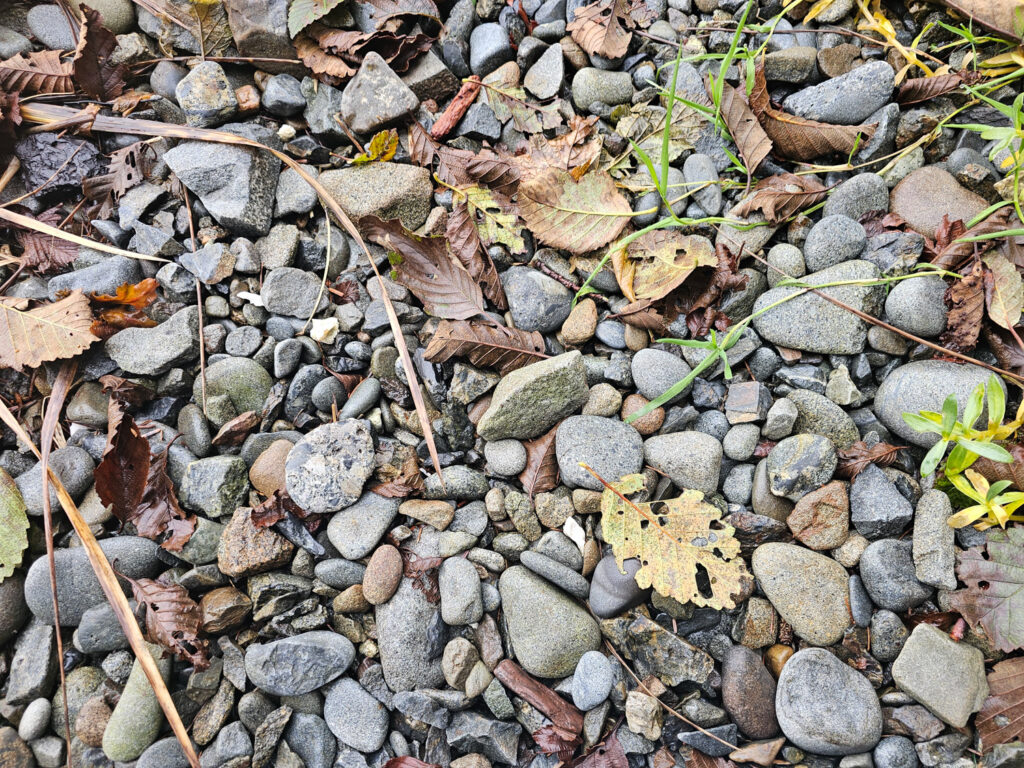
[
  {"x": 10, "y": 119},
  {"x": 13, "y": 525},
  {"x": 407, "y": 482},
  {"x": 643, "y": 314},
  {"x": 423, "y": 571},
  {"x": 994, "y": 597},
  {"x": 552, "y": 740},
  {"x": 541, "y": 473},
  {"x": 43, "y": 252},
  {"x": 237, "y": 429},
  {"x": 750, "y": 138},
  {"x": 610, "y": 754},
  {"x": 656, "y": 263},
  {"x": 138, "y": 296},
  {"x": 464, "y": 241},
  {"x": 966, "y": 299},
  {"x": 30, "y": 337},
  {"x": 1008, "y": 353},
  {"x": 920, "y": 89},
  {"x": 578, "y": 216},
  {"x": 406, "y": 761},
  {"x": 994, "y": 471},
  {"x": 797, "y": 138},
  {"x": 425, "y": 267},
  {"x": 953, "y": 253},
  {"x": 999, "y": 720},
  {"x": 575, "y": 150},
  {"x": 782, "y": 196},
  {"x": 38, "y": 72},
  {"x": 603, "y": 28},
  {"x": 675, "y": 540},
  {"x": 1004, "y": 291},
  {"x": 331, "y": 69},
  {"x": 485, "y": 346},
  {"x": 173, "y": 619},
  {"x": 274, "y": 509},
  {"x": 94, "y": 71},
  {"x": 855, "y": 459}
]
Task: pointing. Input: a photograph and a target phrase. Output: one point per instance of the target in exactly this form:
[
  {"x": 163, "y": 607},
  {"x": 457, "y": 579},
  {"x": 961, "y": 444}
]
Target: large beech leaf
[
  {"x": 1001, "y": 718},
  {"x": 657, "y": 263},
  {"x": 38, "y": 72},
  {"x": 1004, "y": 294},
  {"x": 994, "y": 597},
  {"x": 578, "y": 216},
  {"x": 1005, "y": 16},
  {"x": 13, "y": 526},
  {"x": 464, "y": 242},
  {"x": 599, "y": 30},
  {"x": 173, "y": 619},
  {"x": 29, "y": 337},
  {"x": 680, "y": 543},
  {"x": 302, "y": 13},
  {"x": 485, "y": 346},
  {"x": 425, "y": 267}
]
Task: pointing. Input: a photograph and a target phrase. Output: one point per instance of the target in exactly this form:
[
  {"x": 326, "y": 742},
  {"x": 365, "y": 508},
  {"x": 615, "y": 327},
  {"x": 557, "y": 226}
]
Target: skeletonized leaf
[
  {"x": 994, "y": 597},
  {"x": 94, "y": 72},
  {"x": 920, "y": 89},
  {"x": 1004, "y": 293},
  {"x": 575, "y": 150},
  {"x": 38, "y": 72},
  {"x": 173, "y": 619},
  {"x": 1004, "y": 16},
  {"x": 424, "y": 266},
  {"x": 675, "y": 540},
  {"x": 13, "y": 526},
  {"x": 751, "y": 140},
  {"x": 128, "y": 167},
  {"x": 509, "y": 101},
  {"x": 578, "y": 216},
  {"x": 800, "y": 139},
  {"x": 29, "y": 337},
  {"x": 966, "y": 298},
  {"x": 485, "y": 346},
  {"x": 999, "y": 720},
  {"x": 782, "y": 196},
  {"x": 302, "y": 13},
  {"x": 658, "y": 262},
  {"x": 541, "y": 473}
]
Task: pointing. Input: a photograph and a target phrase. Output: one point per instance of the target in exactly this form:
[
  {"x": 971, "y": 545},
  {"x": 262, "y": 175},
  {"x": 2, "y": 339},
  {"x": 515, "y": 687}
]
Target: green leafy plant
[
  {"x": 990, "y": 502},
  {"x": 969, "y": 443}
]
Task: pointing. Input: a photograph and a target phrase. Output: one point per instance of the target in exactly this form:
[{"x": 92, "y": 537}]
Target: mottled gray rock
[
  {"x": 690, "y": 459},
  {"x": 205, "y": 95},
  {"x": 833, "y": 240},
  {"x": 858, "y": 195},
  {"x": 293, "y": 292},
  {"x": 610, "y": 447},
  {"x": 354, "y": 716},
  {"x": 404, "y": 636},
  {"x": 376, "y": 97},
  {"x": 459, "y": 586},
  {"x": 591, "y": 84},
  {"x": 387, "y": 190},
  {"x": 933, "y": 547},
  {"x": 136, "y": 720},
  {"x": 355, "y": 530},
  {"x": 152, "y": 351},
  {"x": 298, "y": 664},
  {"x": 845, "y": 100},
  {"x": 918, "y": 306},
  {"x": 536, "y": 301},
  {"x": 877, "y": 509},
  {"x": 592, "y": 681},
  {"x": 800, "y": 464},
  {"x": 496, "y": 740},
  {"x": 887, "y": 569},
  {"x": 825, "y": 706},
  {"x": 655, "y": 371},
  {"x": 104, "y": 276},
  {"x": 71, "y": 464},
  {"x": 325, "y": 471}
]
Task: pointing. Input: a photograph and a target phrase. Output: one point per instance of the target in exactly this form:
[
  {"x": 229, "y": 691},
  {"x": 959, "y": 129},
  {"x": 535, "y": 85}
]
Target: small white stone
[{"x": 324, "y": 330}]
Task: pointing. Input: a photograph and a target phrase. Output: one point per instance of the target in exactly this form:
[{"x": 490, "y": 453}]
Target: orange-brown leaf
[
  {"x": 237, "y": 429},
  {"x": 331, "y": 69},
  {"x": 751, "y": 139},
  {"x": 173, "y": 619},
  {"x": 485, "y": 346},
  {"x": 274, "y": 509},
  {"x": 139, "y": 296},
  {"x": 38, "y": 72},
  {"x": 541, "y": 473},
  {"x": 781, "y": 196}
]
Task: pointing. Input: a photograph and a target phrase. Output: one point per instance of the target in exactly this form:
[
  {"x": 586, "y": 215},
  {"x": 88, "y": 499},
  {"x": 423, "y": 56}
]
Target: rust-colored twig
[
  {"x": 558, "y": 710},
  {"x": 457, "y": 108}
]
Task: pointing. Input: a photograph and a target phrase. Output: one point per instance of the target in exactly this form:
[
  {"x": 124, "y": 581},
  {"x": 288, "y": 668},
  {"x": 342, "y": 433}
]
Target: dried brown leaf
[
  {"x": 464, "y": 241},
  {"x": 855, "y": 459},
  {"x": 966, "y": 299},
  {"x": 952, "y": 255},
  {"x": 602, "y": 28},
  {"x": 274, "y": 509},
  {"x": 642, "y": 314},
  {"x": 1008, "y": 353},
  {"x": 552, "y": 740},
  {"x": 94, "y": 72},
  {"x": 541, "y": 473},
  {"x": 1004, "y": 290},
  {"x": 425, "y": 267},
  {"x": 797, "y": 138},
  {"x": 331, "y": 69},
  {"x": 30, "y": 337},
  {"x": 994, "y": 597},
  {"x": 406, "y": 761},
  {"x": 656, "y": 263},
  {"x": 919, "y": 89},
  {"x": 45, "y": 253},
  {"x": 10, "y": 119},
  {"x": 610, "y": 754},
  {"x": 423, "y": 571},
  {"x": 485, "y": 346},
  {"x": 128, "y": 167},
  {"x": 407, "y": 482},
  {"x": 38, "y": 72},
  {"x": 782, "y": 196},
  {"x": 994, "y": 471},
  {"x": 237, "y": 429},
  {"x": 140, "y": 295},
  {"x": 173, "y": 619},
  {"x": 750, "y": 138},
  {"x": 1003, "y": 16},
  {"x": 1000, "y": 720}
]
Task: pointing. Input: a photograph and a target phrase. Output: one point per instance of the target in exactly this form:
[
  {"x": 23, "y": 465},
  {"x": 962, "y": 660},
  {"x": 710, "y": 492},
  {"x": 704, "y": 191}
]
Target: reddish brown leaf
[
  {"x": 782, "y": 196},
  {"x": 10, "y": 119},
  {"x": 952, "y": 255},
  {"x": 602, "y": 28},
  {"x": 643, "y": 314},
  {"x": 855, "y": 459},
  {"x": 610, "y": 754},
  {"x": 173, "y": 619},
  {"x": 274, "y": 509},
  {"x": 237, "y": 429},
  {"x": 1008, "y": 353},
  {"x": 332, "y": 70},
  {"x": 125, "y": 391},
  {"x": 485, "y": 346},
  {"x": 552, "y": 740},
  {"x": 919, "y": 89},
  {"x": 1000, "y": 719},
  {"x": 464, "y": 241},
  {"x": 94, "y": 72},
  {"x": 456, "y": 108},
  {"x": 423, "y": 572},
  {"x": 38, "y": 72},
  {"x": 541, "y": 473},
  {"x": 750, "y": 138},
  {"x": 110, "y": 321},
  {"x": 797, "y": 138},
  {"x": 966, "y": 298},
  {"x": 993, "y": 471},
  {"x": 139, "y": 296},
  {"x": 345, "y": 292},
  {"x": 46, "y": 253},
  {"x": 158, "y": 516},
  {"x": 408, "y": 762},
  {"x": 408, "y": 481}
]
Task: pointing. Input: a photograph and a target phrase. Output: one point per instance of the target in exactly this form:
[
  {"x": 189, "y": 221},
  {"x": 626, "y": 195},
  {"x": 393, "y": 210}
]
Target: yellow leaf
[
  {"x": 676, "y": 540},
  {"x": 656, "y": 263},
  {"x": 494, "y": 224},
  {"x": 13, "y": 526},
  {"x": 817, "y": 9},
  {"x": 382, "y": 147}
]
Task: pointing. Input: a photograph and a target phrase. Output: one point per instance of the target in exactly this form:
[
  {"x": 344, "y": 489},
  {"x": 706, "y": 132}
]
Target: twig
[
  {"x": 199, "y": 299},
  {"x": 559, "y": 711},
  {"x": 545, "y": 269},
  {"x": 348, "y": 132},
  {"x": 9, "y": 172}
]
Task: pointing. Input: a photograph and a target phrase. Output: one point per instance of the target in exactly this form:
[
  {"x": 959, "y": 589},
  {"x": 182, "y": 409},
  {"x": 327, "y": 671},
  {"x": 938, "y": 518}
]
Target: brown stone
[
  {"x": 14, "y": 753},
  {"x": 647, "y": 424},
  {"x": 928, "y": 194},
  {"x": 267, "y": 473},
  {"x": 581, "y": 323},
  {"x": 224, "y": 608},
  {"x": 748, "y": 693},
  {"x": 437, "y": 513},
  {"x": 472, "y": 760},
  {"x": 351, "y": 601},
  {"x": 821, "y": 519},
  {"x": 383, "y": 575},
  {"x": 775, "y": 658},
  {"x": 92, "y": 721},
  {"x": 839, "y": 59},
  {"x": 213, "y": 714},
  {"x": 245, "y": 550},
  {"x": 758, "y": 624}
]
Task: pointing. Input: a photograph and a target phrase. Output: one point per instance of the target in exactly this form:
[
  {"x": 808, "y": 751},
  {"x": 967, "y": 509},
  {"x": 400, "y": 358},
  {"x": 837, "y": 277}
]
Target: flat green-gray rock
[{"x": 136, "y": 720}]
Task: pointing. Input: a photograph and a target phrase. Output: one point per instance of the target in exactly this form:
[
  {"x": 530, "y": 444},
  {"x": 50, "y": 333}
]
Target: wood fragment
[{"x": 457, "y": 108}]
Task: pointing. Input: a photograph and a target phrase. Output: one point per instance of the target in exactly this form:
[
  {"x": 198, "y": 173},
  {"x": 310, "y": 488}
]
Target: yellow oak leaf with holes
[{"x": 685, "y": 550}]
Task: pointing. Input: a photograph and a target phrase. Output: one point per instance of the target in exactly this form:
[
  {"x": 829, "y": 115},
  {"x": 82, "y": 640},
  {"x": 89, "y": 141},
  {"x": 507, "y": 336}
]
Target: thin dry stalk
[
  {"x": 112, "y": 589},
  {"x": 47, "y": 113},
  {"x": 53, "y": 408},
  {"x": 199, "y": 299},
  {"x": 9, "y": 172},
  {"x": 29, "y": 223}
]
